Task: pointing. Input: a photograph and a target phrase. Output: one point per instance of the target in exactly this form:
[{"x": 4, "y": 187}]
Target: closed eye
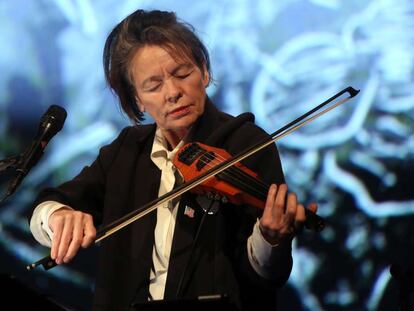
[
  {"x": 183, "y": 76},
  {"x": 153, "y": 88}
]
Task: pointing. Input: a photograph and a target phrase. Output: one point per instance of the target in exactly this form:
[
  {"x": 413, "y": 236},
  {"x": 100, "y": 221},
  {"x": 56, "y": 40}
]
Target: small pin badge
[{"x": 189, "y": 211}]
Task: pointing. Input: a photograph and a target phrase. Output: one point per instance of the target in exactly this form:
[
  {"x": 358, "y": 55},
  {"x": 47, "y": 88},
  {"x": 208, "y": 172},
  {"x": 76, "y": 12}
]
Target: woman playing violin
[{"x": 190, "y": 247}]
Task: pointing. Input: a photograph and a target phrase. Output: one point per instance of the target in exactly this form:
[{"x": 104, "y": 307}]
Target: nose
[{"x": 173, "y": 92}]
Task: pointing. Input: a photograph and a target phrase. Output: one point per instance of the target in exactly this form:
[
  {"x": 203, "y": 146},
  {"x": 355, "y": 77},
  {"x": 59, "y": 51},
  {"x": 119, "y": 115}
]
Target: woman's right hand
[{"x": 71, "y": 230}]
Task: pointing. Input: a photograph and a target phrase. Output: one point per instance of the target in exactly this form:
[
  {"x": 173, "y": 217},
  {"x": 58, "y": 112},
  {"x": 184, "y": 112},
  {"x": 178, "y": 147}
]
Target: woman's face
[{"x": 171, "y": 90}]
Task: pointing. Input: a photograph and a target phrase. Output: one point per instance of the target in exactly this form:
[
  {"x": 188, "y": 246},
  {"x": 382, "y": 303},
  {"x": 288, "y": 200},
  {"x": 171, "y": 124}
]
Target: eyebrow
[
  {"x": 173, "y": 72},
  {"x": 179, "y": 67}
]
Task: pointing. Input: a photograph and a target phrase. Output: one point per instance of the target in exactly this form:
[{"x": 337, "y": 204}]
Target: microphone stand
[{"x": 7, "y": 164}]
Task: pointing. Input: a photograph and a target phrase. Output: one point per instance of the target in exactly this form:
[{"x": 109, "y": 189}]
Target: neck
[{"x": 174, "y": 138}]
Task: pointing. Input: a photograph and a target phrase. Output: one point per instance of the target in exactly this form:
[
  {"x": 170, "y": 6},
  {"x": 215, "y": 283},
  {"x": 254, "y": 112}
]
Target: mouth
[{"x": 180, "y": 111}]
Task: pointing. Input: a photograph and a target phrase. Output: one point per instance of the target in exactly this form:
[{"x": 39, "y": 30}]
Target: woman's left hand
[{"x": 282, "y": 214}]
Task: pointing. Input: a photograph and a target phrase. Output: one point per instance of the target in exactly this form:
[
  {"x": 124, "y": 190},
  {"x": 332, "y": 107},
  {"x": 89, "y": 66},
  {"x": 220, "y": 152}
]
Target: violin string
[
  {"x": 246, "y": 179},
  {"x": 236, "y": 175}
]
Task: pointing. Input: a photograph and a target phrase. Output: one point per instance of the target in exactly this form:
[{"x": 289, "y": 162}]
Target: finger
[
  {"x": 76, "y": 240},
  {"x": 89, "y": 231},
  {"x": 65, "y": 239},
  {"x": 299, "y": 219},
  {"x": 270, "y": 201},
  {"x": 313, "y": 207},
  {"x": 279, "y": 205},
  {"x": 291, "y": 205},
  {"x": 57, "y": 229},
  {"x": 291, "y": 210},
  {"x": 300, "y": 213}
]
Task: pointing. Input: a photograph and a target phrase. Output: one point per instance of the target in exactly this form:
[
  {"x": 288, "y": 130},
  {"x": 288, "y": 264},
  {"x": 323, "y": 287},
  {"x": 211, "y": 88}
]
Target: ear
[
  {"x": 139, "y": 104},
  {"x": 206, "y": 76}
]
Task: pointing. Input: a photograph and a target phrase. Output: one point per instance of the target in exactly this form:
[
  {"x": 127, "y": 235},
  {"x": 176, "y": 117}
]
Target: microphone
[{"x": 50, "y": 123}]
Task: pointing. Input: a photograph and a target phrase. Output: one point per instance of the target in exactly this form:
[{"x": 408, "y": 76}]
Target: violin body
[{"x": 232, "y": 185}]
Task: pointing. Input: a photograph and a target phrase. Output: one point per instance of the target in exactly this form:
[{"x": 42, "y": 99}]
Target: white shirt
[
  {"x": 259, "y": 250},
  {"x": 166, "y": 216}
]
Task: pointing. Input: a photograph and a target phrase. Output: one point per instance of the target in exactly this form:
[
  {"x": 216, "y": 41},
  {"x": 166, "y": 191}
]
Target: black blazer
[{"x": 123, "y": 178}]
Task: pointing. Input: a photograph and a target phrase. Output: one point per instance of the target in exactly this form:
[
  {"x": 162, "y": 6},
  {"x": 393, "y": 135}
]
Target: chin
[{"x": 186, "y": 121}]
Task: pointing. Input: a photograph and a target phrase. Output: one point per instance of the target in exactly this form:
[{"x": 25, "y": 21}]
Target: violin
[{"x": 222, "y": 173}]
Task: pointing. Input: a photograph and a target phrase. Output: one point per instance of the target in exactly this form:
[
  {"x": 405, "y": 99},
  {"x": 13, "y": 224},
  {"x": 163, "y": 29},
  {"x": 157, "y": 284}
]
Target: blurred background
[{"x": 277, "y": 59}]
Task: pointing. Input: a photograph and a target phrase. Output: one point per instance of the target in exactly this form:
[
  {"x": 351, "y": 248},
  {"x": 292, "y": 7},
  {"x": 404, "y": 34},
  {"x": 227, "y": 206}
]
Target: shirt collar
[{"x": 160, "y": 153}]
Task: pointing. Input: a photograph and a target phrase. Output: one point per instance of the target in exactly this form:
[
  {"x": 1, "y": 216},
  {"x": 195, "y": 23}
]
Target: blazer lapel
[{"x": 145, "y": 189}]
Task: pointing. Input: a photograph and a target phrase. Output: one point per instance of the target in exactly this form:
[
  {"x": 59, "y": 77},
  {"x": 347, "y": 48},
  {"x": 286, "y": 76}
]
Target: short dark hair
[{"x": 147, "y": 28}]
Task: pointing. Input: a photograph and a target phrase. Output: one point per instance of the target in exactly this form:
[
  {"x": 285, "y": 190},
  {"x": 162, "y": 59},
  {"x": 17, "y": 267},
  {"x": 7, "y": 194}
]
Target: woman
[{"x": 157, "y": 65}]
